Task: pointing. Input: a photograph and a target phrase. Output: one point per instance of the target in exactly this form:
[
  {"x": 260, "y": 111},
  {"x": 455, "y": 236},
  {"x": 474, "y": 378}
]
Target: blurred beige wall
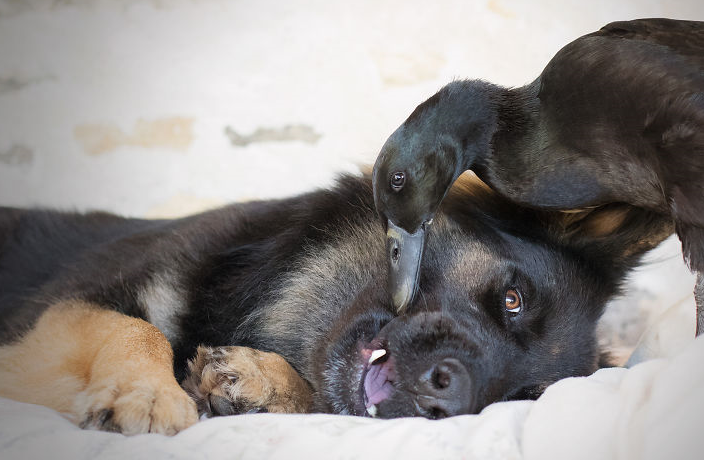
[{"x": 136, "y": 106}]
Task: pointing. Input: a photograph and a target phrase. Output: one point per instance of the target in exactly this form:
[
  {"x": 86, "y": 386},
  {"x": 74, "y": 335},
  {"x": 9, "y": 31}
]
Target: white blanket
[{"x": 653, "y": 410}]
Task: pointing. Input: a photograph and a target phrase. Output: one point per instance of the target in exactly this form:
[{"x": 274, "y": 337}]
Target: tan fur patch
[
  {"x": 611, "y": 222},
  {"x": 106, "y": 370},
  {"x": 470, "y": 184},
  {"x": 604, "y": 222},
  {"x": 595, "y": 222}
]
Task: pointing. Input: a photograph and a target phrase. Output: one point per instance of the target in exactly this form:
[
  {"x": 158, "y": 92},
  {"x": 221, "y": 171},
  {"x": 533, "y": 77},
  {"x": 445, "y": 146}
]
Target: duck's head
[
  {"x": 416, "y": 168},
  {"x": 411, "y": 177}
]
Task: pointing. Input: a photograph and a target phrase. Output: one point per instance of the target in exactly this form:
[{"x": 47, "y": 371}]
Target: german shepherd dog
[{"x": 140, "y": 326}]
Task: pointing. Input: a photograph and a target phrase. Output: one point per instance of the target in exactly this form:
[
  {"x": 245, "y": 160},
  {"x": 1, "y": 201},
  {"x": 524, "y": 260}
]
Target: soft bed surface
[{"x": 653, "y": 410}]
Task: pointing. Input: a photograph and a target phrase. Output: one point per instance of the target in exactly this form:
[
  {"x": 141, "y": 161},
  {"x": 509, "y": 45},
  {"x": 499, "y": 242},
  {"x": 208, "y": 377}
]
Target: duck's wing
[
  {"x": 628, "y": 101},
  {"x": 616, "y": 76},
  {"x": 686, "y": 38},
  {"x": 613, "y": 97}
]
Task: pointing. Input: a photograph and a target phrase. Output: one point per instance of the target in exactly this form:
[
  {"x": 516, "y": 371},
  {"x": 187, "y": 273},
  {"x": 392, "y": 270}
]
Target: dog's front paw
[
  {"x": 239, "y": 380},
  {"x": 133, "y": 407}
]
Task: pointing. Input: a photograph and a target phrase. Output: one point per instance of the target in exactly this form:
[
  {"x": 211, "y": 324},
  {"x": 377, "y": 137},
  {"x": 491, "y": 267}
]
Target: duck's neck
[
  {"x": 517, "y": 110},
  {"x": 465, "y": 114}
]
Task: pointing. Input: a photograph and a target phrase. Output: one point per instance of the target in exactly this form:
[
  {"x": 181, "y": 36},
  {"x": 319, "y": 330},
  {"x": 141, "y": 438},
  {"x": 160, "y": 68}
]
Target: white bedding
[{"x": 653, "y": 410}]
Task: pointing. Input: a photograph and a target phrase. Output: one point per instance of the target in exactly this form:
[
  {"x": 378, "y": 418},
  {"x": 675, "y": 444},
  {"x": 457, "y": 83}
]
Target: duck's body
[
  {"x": 600, "y": 123},
  {"x": 616, "y": 116}
]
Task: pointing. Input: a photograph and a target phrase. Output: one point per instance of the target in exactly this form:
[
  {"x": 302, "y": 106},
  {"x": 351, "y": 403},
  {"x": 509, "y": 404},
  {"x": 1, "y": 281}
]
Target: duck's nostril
[{"x": 395, "y": 254}]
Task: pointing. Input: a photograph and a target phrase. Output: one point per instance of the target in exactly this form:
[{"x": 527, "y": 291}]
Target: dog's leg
[
  {"x": 104, "y": 369},
  {"x": 237, "y": 380},
  {"x": 692, "y": 238},
  {"x": 699, "y": 298}
]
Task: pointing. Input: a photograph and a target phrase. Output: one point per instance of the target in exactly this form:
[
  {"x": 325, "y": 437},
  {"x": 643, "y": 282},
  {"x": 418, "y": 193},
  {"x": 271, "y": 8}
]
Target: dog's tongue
[{"x": 377, "y": 382}]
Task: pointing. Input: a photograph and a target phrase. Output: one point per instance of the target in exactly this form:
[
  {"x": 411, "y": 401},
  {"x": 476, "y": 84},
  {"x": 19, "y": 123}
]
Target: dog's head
[{"x": 508, "y": 304}]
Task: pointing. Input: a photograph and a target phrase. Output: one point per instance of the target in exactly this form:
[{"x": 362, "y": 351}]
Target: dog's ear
[
  {"x": 616, "y": 232},
  {"x": 614, "y": 235}
]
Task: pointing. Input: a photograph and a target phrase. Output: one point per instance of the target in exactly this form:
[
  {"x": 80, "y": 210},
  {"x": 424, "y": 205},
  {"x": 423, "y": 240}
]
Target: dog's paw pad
[{"x": 240, "y": 380}]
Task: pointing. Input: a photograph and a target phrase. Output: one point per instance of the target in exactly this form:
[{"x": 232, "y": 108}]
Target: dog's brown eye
[
  {"x": 513, "y": 301},
  {"x": 397, "y": 180}
]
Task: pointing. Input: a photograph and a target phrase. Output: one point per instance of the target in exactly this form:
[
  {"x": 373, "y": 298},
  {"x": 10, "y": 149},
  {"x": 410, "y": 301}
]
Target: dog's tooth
[
  {"x": 376, "y": 354},
  {"x": 371, "y": 410}
]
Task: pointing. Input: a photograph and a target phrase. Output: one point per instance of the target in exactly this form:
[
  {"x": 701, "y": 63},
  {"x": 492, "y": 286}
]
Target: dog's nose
[{"x": 444, "y": 390}]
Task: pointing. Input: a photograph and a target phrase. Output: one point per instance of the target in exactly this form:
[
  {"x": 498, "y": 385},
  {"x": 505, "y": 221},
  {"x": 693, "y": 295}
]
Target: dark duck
[{"x": 617, "y": 116}]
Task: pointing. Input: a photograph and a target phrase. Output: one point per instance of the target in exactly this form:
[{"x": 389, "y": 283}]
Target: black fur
[{"x": 305, "y": 277}]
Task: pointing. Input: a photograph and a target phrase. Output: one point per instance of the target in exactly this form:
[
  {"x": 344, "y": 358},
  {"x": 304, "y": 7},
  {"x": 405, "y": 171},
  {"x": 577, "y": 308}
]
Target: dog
[{"x": 281, "y": 306}]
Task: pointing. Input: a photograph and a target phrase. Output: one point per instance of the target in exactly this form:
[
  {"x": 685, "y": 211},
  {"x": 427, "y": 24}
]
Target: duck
[{"x": 616, "y": 116}]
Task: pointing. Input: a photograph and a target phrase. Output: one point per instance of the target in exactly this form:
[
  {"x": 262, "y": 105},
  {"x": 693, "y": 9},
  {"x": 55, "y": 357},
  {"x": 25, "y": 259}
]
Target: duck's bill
[{"x": 405, "y": 252}]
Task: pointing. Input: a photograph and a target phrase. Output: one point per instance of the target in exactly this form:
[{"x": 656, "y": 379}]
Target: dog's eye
[
  {"x": 398, "y": 179},
  {"x": 513, "y": 301}
]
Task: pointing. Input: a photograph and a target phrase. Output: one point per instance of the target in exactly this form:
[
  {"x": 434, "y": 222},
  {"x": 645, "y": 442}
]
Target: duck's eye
[
  {"x": 513, "y": 301},
  {"x": 398, "y": 179}
]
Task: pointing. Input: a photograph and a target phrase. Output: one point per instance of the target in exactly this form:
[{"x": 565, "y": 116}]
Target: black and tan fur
[{"x": 92, "y": 306}]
